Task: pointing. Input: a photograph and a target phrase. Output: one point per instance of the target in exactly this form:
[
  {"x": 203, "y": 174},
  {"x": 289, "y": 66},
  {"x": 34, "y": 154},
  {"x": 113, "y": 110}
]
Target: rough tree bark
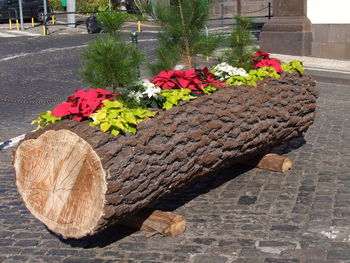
[{"x": 78, "y": 180}]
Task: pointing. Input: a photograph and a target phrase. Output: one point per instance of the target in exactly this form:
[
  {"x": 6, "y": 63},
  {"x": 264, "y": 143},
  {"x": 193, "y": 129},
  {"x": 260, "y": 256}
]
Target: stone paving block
[
  {"x": 338, "y": 254},
  {"x": 209, "y": 259},
  {"x": 278, "y": 260}
]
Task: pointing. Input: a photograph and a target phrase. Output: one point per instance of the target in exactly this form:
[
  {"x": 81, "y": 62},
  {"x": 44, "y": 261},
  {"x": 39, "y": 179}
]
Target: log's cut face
[{"x": 61, "y": 181}]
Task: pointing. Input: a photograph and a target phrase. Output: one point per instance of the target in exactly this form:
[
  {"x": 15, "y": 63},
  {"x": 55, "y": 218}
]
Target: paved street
[
  {"x": 34, "y": 71},
  {"x": 238, "y": 215}
]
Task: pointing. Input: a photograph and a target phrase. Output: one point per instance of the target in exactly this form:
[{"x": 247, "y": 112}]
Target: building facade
[
  {"x": 330, "y": 27},
  {"x": 319, "y": 28}
]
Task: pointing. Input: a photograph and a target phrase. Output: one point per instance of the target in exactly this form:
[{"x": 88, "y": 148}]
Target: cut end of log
[{"x": 62, "y": 182}]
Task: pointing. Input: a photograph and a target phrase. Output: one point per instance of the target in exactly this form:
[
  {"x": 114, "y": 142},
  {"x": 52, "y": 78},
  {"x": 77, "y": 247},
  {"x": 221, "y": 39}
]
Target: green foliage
[
  {"x": 173, "y": 97},
  {"x": 45, "y": 119},
  {"x": 111, "y": 22},
  {"x": 254, "y": 76},
  {"x": 209, "y": 90},
  {"x": 103, "y": 6},
  {"x": 117, "y": 118},
  {"x": 240, "y": 53},
  {"x": 263, "y": 73},
  {"x": 56, "y": 5},
  {"x": 241, "y": 80},
  {"x": 90, "y": 5},
  {"x": 167, "y": 54},
  {"x": 292, "y": 66},
  {"x": 182, "y": 36},
  {"x": 110, "y": 63}
]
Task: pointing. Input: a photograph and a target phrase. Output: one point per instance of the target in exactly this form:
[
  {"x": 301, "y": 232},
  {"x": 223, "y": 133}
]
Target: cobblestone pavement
[{"x": 239, "y": 215}]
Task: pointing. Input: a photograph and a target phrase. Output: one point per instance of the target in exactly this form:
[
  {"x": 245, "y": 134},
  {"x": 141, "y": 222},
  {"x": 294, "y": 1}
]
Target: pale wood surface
[{"x": 61, "y": 181}]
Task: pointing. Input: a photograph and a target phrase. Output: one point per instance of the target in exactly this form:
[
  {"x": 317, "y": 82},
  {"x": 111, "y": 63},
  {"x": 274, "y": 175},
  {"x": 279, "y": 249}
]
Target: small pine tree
[
  {"x": 111, "y": 22},
  {"x": 182, "y": 36},
  {"x": 110, "y": 63},
  {"x": 240, "y": 52}
]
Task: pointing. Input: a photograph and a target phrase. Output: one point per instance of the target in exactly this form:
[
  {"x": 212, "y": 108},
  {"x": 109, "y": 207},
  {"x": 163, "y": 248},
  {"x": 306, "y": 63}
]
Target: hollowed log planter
[{"x": 78, "y": 180}]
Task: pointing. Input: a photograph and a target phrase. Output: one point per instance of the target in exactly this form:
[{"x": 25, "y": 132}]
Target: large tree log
[{"x": 78, "y": 180}]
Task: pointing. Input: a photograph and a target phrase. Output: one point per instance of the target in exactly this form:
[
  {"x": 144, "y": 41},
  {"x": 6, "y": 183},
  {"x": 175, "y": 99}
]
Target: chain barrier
[
  {"x": 255, "y": 11},
  {"x": 12, "y": 101}
]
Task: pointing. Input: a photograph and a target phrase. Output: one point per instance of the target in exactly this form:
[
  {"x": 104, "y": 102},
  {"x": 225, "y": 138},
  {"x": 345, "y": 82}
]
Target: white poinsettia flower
[
  {"x": 146, "y": 84},
  {"x": 152, "y": 91},
  {"x": 224, "y": 71},
  {"x": 136, "y": 95}
]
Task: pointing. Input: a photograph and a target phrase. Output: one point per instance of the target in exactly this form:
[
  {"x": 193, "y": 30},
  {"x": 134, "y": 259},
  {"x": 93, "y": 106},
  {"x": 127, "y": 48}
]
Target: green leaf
[
  {"x": 112, "y": 104},
  {"x": 209, "y": 90},
  {"x": 115, "y": 132},
  {"x": 292, "y": 66},
  {"x": 117, "y": 117},
  {"x": 167, "y": 105},
  {"x": 131, "y": 129},
  {"x": 175, "y": 96},
  {"x": 118, "y": 124},
  {"x": 100, "y": 115},
  {"x": 105, "y": 126},
  {"x": 45, "y": 119}
]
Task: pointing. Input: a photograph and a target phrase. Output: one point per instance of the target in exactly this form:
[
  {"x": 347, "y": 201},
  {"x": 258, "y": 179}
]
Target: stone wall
[
  {"x": 331, "y": 41},
  {"x": 330, "y": 27}
]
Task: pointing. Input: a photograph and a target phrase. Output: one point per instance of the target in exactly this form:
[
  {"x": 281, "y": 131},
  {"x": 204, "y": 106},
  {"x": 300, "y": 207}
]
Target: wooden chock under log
[
  {"x": 272, "y": 162},
  {"x": 155, "y": 221}
]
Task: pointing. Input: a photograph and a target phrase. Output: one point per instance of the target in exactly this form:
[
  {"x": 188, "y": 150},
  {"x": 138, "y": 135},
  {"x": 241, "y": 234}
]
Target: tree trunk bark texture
[{"x": 78, "y": 180}]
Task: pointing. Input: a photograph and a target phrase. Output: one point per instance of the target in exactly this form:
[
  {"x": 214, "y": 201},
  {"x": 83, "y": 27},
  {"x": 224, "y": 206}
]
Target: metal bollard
[
  {"x": 134, "y": 41},
  {"x": 206, "y": 35},
  {"x": 53, "y": 20},
  {"x": 33, "y": 22},
  {"x": 139, "y": 26},
  {"x": 10, "y": 24},
  {"x": 17, "y": 24}
]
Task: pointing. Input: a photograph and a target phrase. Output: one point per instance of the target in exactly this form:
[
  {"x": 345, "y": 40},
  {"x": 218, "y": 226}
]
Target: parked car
[{"x": 31, "y": 8}]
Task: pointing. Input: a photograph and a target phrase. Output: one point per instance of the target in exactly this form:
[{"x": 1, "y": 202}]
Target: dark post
[
  {"x": 134, "y": 41},
  {"x": 222, "y": 14},
  {"x": 239, "y": 7},
  {"x": 269, "y": 15}
]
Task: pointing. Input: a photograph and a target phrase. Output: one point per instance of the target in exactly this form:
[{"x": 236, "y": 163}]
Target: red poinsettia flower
[
  {"x": 65, "y": 108},
  {"x": 260, "y": 55},
  {"x": 269, "y": 63},
  {"x": 82, "y": 104},
  {"x": 262, "y": 59},
  {"x": 185, "y": 79}
]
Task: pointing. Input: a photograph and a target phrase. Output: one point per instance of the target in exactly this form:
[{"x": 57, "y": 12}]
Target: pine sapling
[{"x": 240, "y": 53}]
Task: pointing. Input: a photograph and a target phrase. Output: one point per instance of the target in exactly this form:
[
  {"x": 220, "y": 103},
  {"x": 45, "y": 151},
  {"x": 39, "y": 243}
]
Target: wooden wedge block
[
  {"x": 272, "y": 162},
  {"x": 155, "y": 221}
]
